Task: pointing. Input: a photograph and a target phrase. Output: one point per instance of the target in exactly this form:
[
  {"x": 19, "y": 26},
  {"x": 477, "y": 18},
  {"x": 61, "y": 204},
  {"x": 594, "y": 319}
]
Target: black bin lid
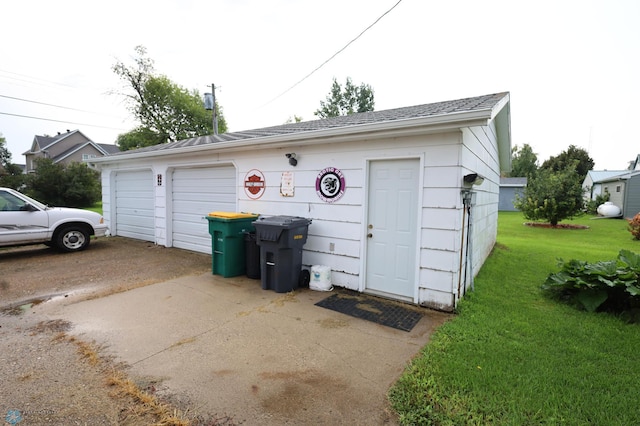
[{"x": 284, "y": 222}]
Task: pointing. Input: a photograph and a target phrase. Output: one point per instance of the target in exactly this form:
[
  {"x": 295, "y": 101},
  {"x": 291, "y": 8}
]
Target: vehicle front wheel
[{"x": 72, "y": 238}]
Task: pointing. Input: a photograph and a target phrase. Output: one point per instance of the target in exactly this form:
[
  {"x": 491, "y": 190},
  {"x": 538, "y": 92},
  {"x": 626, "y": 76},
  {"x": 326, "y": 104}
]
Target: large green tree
[
  {"x": 524, "y": 162},
  {"x": 74, "y": 185},
  {"x": 347, "y": 100},
  {"x": 166, "y": 111},
  {"x": 552, "y": 196},
  {"x": 575, "y": 156}
]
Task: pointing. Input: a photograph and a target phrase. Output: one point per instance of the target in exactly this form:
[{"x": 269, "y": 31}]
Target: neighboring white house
[
  {"x": 592, "y": 184},
  {"x": 385, "y": 190},
  {"x": 624, "y": 192}
]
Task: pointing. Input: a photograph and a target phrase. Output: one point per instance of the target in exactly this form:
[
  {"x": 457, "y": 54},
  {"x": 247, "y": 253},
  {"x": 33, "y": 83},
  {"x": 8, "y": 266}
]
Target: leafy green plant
[
  {"x": 612, "y": 286},
  {"x": 592, "y": 205},
  {"x": 634, "y": 226}
]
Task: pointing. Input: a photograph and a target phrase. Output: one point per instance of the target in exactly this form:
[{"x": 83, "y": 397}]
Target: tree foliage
[
  {"x": 5, "y": 155},
  {"x": 572, "y": 156},
  {"x": 166, "y": 111},
  {"x": 74, "y": 185},
  {"x": 139, "y": 138},
  {"x": 552, "y": 196},
  {"x": 11, "y": 175},
  {"x": 346, "y": 101},
  {"x": 524, "y": 162}
]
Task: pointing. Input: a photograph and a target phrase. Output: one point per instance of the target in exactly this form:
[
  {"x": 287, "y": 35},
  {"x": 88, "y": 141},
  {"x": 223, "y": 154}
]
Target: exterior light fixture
[
  {"x": 292, "y": 158},
  {"x": 473, "y": 179}
]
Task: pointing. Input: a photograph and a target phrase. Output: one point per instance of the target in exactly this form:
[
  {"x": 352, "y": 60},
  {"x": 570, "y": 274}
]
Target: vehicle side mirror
[{"x": 29, "y": 207}]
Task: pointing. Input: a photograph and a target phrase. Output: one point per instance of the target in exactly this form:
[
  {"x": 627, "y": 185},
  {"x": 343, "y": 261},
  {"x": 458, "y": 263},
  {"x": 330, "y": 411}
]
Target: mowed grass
[
  {"x": 97, "y": 207},
  {"x": 514, "y": 357}
]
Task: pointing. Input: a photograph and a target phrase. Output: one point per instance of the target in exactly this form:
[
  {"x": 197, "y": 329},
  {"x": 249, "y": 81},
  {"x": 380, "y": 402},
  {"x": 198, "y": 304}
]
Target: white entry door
[{"x": 392, "y": 227}]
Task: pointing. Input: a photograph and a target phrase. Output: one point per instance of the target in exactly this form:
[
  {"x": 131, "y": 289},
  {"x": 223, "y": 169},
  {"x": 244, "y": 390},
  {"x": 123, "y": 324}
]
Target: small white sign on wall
[{"x": 287, "y": 187}]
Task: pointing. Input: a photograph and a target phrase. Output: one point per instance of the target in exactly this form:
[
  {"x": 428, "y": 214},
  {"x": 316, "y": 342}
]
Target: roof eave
[{"x": 404, "y": 127}]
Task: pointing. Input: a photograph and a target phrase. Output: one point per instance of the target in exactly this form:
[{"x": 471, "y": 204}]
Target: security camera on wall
[{"x": 292, "y": 158}]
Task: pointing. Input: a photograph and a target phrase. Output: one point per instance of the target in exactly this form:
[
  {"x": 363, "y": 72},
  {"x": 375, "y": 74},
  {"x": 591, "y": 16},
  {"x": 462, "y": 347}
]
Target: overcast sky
[{"x": 572, "y": 67}]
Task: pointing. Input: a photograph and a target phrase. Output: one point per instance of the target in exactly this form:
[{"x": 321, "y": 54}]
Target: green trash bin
[{"x": 227, "y": 230}]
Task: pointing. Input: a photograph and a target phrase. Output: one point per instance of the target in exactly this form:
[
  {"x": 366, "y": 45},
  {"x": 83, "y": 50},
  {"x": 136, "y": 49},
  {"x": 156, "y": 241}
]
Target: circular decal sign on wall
[
  {"x": 254, "y": 184},
  {"x": 330, "y": 185}
]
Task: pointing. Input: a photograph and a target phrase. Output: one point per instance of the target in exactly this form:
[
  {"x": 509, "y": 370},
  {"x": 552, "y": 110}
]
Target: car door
[{"x": 20, "y": 221}]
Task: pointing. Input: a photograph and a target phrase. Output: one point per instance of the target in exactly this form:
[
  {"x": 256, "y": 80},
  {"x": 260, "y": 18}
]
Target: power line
[
  {"x": 335, "y": 54},
  {"x": 55, "y": 106},
  {"x": 60, "y": 121},
  {"x": 36, "y": 78}
]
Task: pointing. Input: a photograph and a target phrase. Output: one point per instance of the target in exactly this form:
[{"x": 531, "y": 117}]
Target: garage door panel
[
  {"x": 195, "y": 193},
  {"x": 135, "y": 205},
  {"x": 134, "y": 219},
  {"x": 209, "y": 184},
  {"x": 138, "y": 203}
]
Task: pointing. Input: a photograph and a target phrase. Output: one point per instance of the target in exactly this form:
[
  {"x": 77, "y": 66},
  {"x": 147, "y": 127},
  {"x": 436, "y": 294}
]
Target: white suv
[{"x": 24, "y": 221}]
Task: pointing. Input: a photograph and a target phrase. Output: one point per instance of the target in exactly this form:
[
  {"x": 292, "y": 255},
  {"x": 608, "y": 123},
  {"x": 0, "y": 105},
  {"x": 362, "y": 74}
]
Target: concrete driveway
[{"x": 224, "y": 346}]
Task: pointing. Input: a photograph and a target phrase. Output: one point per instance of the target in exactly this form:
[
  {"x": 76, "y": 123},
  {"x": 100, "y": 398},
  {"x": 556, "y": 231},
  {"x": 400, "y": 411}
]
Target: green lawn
[
  {"x": 97, "y": 207},
  {"x": 514, "y": 357}
]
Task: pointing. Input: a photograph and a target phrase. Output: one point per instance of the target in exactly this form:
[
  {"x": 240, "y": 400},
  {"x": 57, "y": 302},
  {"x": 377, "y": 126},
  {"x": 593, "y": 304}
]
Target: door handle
[{"x": 369, "y": 235}]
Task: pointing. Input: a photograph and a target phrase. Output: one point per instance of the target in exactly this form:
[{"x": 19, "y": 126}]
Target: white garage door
[
  {"x": 196, "y": 192},
  {"x": 134, "y": 205}
]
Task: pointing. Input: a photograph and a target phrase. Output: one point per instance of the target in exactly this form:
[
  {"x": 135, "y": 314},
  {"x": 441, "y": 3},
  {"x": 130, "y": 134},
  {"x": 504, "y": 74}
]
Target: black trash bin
[
  {"x": 252, "y": 255},
  {"x": 281, "y": 239}
]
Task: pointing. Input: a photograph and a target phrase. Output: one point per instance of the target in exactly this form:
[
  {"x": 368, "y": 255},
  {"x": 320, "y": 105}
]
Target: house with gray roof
[
  {"x": 65, "y": 148},
  {"x": 403, "y": 202},
  {"x": 624, "y": 191},
  {"x": 592, "y": 184},
  {"x": 510, "y": 188}
]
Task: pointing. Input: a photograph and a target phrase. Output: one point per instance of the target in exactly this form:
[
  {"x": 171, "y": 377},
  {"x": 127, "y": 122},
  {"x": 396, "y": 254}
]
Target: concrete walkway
[{"x": 224, "y": 346}]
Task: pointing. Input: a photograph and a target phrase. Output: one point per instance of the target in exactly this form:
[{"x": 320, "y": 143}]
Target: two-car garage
[{"x": 191, "y": 193}]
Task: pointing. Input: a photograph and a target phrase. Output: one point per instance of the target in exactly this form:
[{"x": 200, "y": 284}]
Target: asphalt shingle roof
[
  {"x": 513, "y": 181},
  {"x": 109, "y": 148},
  {"x": 478, "y": 103}
]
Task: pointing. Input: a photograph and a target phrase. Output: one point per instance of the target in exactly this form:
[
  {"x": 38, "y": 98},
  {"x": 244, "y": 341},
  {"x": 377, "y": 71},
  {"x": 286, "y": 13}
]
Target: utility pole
[{"x": 215, "y": 115}]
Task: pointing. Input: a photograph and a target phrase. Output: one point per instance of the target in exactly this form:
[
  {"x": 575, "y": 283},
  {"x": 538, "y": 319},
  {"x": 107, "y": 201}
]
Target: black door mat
[{"x": 373, "y": 309}]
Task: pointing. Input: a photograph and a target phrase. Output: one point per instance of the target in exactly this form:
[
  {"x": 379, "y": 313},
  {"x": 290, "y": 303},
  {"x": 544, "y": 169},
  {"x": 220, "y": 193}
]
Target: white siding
[
  {"x": 480, "y": 155},
  {"x": 337, "y": 232}
]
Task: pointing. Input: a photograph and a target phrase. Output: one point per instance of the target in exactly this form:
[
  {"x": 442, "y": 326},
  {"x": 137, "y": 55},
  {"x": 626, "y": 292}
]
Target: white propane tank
[{"x": 608, "y": 209}]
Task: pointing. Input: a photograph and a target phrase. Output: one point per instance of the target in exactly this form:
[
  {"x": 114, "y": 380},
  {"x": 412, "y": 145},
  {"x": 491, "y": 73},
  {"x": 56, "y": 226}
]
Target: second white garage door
[{"x": 195, "y": 193}]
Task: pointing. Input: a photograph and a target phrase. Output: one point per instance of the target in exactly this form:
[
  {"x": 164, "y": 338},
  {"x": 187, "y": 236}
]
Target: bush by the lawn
[{"x": 610, "y": 286}]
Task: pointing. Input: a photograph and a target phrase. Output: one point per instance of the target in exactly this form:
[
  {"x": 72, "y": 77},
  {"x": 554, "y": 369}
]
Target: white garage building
[{"x": 390, "y": 193}]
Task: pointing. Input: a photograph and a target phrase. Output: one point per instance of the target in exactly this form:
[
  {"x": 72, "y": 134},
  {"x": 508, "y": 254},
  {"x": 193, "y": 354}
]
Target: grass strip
[{"x": 513, "y": 356}]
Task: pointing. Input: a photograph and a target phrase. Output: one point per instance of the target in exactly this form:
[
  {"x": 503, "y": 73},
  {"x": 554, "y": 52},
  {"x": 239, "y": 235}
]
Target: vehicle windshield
[{"x": 30, "y": 200}]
